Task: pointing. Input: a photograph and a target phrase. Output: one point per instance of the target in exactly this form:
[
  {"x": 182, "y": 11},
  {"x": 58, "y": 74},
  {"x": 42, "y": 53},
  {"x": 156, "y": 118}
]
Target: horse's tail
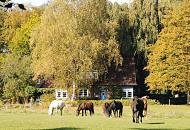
[
  {"x": 92, "y": 108},
  {"x": 121, "y": 110}
]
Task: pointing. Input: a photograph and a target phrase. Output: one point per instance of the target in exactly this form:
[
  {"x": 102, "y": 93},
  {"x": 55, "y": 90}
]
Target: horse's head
[
  {"x": 50, "y": 111},
  {"x": 78, "y": 110},
  {"x": 134, "y": 103},
  {"x": 145, "y": 101}
]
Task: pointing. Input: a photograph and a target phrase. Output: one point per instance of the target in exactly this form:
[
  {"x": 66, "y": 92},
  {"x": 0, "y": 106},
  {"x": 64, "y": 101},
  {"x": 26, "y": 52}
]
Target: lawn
[{"x": 162, "y": 117}]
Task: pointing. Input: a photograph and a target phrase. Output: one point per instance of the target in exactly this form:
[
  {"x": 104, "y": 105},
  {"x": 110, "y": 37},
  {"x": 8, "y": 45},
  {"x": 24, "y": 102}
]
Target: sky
[{"x": 40, "y": 2}]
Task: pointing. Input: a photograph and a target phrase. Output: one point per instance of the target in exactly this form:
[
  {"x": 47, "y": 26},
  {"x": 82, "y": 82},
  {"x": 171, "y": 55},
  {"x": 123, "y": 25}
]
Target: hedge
[{"x": 126, "y": 102}]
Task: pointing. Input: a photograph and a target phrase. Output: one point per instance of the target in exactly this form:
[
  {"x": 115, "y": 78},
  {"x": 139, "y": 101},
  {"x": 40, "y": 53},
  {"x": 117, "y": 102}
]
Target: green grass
[{"x": 162, "y": 117}]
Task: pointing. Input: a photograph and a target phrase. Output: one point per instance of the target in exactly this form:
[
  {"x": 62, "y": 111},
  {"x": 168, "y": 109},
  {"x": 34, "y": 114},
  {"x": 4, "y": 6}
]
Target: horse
[
  {"x": 56, "y": 104},
  {"x": 137, "y": 107},
  {"x": 85, "y": 106},
  {"x": 105, "y": 109},
  {"x": 116, "y": 107},
  {"x": 145, "y": 100}
]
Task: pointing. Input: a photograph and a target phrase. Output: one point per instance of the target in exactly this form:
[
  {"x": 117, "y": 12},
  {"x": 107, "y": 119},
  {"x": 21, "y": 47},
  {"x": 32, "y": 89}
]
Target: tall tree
[
  {"x": 144, "y": 19},
  {"x": 2, "y": 47},
  {"x": 13, "y": 20},
  {"x": 16, "y": 66},
  {"x": 168, "y": 59},
  {"x": 73, "y": 38},
  {"x": 120, "y": 14}
]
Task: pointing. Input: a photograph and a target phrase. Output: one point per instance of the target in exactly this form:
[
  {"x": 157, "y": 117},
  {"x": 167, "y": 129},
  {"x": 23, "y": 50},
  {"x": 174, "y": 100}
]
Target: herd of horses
[{"x": 138, "y": 107}]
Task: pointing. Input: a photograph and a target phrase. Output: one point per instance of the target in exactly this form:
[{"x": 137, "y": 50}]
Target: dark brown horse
[
  {"x": 115, "y": 106},
  {"x": 85, "y": 106},
  {"x": 137, "y": 107}
]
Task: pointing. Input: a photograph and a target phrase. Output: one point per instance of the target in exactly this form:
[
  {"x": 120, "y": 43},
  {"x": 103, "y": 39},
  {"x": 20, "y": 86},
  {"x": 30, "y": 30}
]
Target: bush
[
  {"x": 47, "y": 99},
  {"x": 126, "y": 102}
]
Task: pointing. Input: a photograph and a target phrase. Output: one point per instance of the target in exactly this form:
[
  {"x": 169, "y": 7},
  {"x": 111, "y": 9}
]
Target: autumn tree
[
  {"x": 74, "y": 39},
  {"x": 12, "y": 21},
  {"x": 16, "y": 66},
  {"x": 168, "y": 59},
  {"x": 2, "y": 46}
]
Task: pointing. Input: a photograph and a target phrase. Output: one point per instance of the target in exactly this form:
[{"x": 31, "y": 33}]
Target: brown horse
[
  {"x": 85, "y": 106},
  {"x": 105, "y": 109},
  {"x": 137, "y": 107},
  {"x": 145, "y": 100},
  {"x": 115, "y": 106}
]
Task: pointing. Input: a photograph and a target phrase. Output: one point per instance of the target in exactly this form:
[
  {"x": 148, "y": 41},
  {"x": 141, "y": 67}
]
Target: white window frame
[
  {"x": 83, "y": 91},
  {"x": 59, "y": 94},
  {"x": 127, "y": 90}
]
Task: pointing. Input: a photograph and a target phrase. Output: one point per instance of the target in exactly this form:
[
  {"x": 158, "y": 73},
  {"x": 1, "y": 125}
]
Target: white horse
[{"x": 56, "y": 104}]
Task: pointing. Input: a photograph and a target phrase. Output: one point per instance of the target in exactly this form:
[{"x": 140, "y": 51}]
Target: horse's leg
[
  {"x": 141, "y": 119},
  {"x": 121, "y": 111},
  {"x": 114, "y": 111},
  {"x": 61, "y": 109},
  {"x": 90, "y": 112},
  {"x": 137, "y": 117},
  {"x": 141, "y": 116},
  {"x": 52, "y": 111},
  {"x": 134, "y": 116},
  {"x": 145, "y": 113},
  {"x": 85, "y": 113},
  {"x": 82, "y": 112}
]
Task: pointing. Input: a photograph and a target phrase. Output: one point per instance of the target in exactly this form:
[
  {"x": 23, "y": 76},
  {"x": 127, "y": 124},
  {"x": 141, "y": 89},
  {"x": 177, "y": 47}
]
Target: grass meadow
[{"x": 160, "y": 117}]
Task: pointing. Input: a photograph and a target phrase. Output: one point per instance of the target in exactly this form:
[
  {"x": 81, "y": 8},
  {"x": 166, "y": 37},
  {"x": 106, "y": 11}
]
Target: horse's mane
[{"x": 79, "y": 105}]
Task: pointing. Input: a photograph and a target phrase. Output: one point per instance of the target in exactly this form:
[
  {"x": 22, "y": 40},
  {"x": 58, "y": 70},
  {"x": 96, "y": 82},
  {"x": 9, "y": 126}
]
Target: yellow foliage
[{"x": 168, "y": 61}]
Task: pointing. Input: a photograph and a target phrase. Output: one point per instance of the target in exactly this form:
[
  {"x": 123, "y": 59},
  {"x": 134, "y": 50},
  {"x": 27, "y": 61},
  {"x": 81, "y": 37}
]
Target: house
[
  {"x": 114, "y": 84},
  {"x": 118, "y": 83}
]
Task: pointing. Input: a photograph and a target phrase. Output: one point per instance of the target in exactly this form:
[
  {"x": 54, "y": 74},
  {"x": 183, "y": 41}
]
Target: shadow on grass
[
  {"x": 155, "y": 123},
  {"x": 155, "y": 129},
  {"x": 64, "y": 128}
]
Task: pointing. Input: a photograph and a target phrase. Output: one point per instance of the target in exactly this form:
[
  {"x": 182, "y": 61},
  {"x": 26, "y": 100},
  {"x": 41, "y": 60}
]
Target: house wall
[{"x": 114, "y": 92}]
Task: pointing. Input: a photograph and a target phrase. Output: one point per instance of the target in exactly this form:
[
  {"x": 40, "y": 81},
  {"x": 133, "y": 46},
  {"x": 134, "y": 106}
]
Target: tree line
[{"x": 66, "y": 41}]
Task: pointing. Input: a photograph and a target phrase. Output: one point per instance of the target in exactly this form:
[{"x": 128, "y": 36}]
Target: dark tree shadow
[
  {"x": 155, "y": 129},
  {"x": 63, "y": 128},
  {"x": 155, "y": 123}
]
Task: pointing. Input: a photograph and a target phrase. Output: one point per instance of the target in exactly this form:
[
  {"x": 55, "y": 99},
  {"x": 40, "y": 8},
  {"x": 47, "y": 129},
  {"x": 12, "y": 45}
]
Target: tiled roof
[{"x": 123, "y": 75}]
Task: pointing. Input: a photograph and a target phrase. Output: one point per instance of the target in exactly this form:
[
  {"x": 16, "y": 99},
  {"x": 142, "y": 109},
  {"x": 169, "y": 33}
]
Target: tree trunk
[
  {"x": 25, "y": 100},
  {"x": 73, "y": 97},
  {"x": 188, "y": 97}
]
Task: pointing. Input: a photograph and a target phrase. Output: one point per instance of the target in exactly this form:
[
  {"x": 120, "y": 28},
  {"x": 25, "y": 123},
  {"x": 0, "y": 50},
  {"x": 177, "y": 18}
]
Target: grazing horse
[
  {"x": 56, "y": 104},
  {"x": 137, "y": 107},
  {"x": 105, "y": 109},
  {"x": 145, "y": 100},
  {"x": 116, "y": 107},
  {"x": 85, "y": 106}
]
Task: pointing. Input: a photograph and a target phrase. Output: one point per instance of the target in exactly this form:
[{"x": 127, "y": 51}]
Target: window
[
  {"x": 124, "y": 94},
  {"x": 60, "y": 94},
  {"x": 127, "y": 93},
  {"x": 83, "y": 93},
  {"x": 64, "y": 94}
]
